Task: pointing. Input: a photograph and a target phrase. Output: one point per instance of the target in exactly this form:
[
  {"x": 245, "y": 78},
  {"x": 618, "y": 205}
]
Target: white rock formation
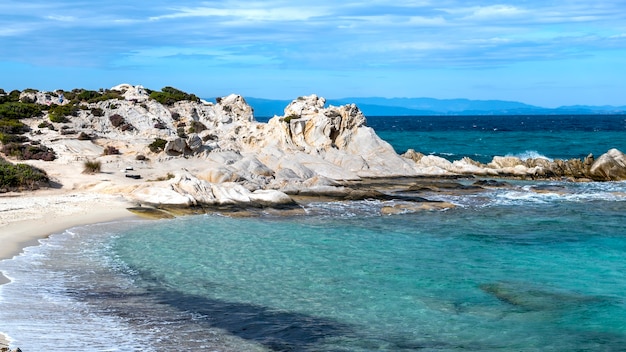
[{"x": 221, "y": 155}]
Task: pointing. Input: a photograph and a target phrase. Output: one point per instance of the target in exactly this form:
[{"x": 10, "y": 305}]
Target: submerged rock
[{"x": 531, "y": 298}]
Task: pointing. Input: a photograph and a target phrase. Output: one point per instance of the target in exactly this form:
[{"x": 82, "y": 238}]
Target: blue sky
[{"x": 542, "y": 52}]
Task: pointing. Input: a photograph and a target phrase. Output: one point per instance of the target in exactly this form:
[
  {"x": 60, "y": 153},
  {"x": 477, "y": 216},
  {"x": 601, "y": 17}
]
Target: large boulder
[
  {"x": 176, "y": 146},
  {"x": 610, "y": 166}
]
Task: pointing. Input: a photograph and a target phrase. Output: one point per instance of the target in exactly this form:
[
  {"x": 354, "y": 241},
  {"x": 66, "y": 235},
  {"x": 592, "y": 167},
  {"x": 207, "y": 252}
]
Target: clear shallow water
[
  {"x": 510, "y": 270},
  {"x": 537, "y": 267}
]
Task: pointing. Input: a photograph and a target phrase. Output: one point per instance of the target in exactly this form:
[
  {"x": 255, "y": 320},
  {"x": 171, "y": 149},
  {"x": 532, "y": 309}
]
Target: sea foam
[{"x": 529, "y": 154}]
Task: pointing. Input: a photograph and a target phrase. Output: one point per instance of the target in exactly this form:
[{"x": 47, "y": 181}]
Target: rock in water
[
  {"x": 531, "y": 298},
  {"x": 610, "y": 166}
]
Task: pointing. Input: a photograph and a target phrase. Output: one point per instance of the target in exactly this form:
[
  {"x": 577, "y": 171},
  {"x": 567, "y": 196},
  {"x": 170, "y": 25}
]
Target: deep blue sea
[{"x": 510, "y": 269}]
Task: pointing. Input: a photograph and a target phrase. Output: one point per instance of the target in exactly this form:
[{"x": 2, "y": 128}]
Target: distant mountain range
[{"x": 429, "y": 106}]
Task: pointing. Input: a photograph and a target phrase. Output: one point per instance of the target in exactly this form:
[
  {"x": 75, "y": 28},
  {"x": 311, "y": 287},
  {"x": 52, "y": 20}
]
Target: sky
[{"x": 541, "y": 52}]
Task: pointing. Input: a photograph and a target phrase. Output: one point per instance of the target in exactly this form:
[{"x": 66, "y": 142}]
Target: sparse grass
[
  {"x": 92, "y": 167},
  {"x": 169, "y": 176}
]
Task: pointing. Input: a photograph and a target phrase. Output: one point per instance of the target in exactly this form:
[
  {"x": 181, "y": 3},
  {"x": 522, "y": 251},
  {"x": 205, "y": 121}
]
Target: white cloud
[
  {"x": 61, "y": 18},
  {"x": 496, "y": 11},
  {"x": 427, "y": 21},
  {"x": 250, "y": 14}
]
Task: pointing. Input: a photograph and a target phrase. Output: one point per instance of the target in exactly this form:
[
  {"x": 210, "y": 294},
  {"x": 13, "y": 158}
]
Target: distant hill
[{"x": 429, "y": 106}]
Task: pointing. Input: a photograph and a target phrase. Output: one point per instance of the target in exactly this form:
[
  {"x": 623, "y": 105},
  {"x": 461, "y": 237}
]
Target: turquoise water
[
  {"x": 483, "y": 137},
  {"x": 506, "y": 270}
]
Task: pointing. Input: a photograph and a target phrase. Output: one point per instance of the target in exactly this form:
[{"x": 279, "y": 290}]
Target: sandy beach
[{"x": 29, "y": 216}]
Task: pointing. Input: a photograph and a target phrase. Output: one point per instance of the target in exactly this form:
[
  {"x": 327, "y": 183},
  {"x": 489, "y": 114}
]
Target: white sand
[
  {"x": 25, "y": 218},
  {"x": 28, "y": 217}
]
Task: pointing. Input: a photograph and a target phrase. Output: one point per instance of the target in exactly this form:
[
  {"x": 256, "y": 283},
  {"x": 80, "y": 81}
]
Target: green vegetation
[
  {"x": 92, "y": 167},
  {"x": 19, "y": 110},
  {"x": 196, "y": 127},
  {"x": 118, "y": 121},
  {"x": 11, "y": 126},
  {"x": 12, "y": 138},
  {"x": 288, "y": 119},
  {"x": 170, "y": 95},
  {"x": 13, "y": 96},
  {"x": 91, "y": 96},
  {"x": 158, "y": 145},
  {"x": 59, "y": 113},
  {"x": 15, "y": 177},
  {"x": 28, "y": 151}
]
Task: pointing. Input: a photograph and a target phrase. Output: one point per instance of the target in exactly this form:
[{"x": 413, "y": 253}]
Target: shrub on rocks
[
  {"x": 158, "y": 145},
  {"x": 28, "y": 152},
  {"x": 118, "y": 121},
  {"x": 170, "y": 95},
  {"x": 59, "y": 113},
  {"x": 97, "y": 112},
  {"x": 110, "y": 150}
]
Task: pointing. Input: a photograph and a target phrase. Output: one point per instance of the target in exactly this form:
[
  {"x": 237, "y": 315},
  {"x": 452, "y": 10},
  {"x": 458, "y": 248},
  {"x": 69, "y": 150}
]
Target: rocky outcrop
[
  {"x": 187, "y": 190},
  {"x": 610, "y": 166},
  {"x": 219, "y": 155}
]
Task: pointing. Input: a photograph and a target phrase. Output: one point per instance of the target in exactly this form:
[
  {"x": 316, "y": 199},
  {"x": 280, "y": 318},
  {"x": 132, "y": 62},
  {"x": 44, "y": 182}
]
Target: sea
[{"x": 538, "y": 266}]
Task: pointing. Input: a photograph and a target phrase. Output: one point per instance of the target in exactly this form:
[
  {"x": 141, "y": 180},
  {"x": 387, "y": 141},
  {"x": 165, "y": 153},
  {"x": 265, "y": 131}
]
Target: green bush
[
  {"x": 19, "y": 110},
  {"x": 170, "y": 95},
  {"x": 158, "y": 145},
  {"x": 92, "y": 96},
  {"x": 87, "y": 95},
  {"x": 12, "y": 138},
  {"x": 59, "y": 113},
  {"x": 15, "y": 177},
  {"x": 13, "y": 96},
  {"x": 28, "y": 151},
  {"x": 107, "y": 95},
  {"x": 13, "y": 127}
]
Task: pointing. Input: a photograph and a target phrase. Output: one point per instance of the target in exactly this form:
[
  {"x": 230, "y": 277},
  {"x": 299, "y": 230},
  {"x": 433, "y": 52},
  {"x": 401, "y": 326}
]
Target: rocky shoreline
[{"x": 193, "y": 153}]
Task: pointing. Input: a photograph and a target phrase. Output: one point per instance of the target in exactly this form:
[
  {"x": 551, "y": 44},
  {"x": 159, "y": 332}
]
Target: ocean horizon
[{"x": 537, "y": 265}]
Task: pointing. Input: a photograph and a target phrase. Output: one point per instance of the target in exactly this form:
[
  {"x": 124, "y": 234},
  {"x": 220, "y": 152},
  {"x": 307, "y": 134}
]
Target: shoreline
[{"x": 25, "y": 218}]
